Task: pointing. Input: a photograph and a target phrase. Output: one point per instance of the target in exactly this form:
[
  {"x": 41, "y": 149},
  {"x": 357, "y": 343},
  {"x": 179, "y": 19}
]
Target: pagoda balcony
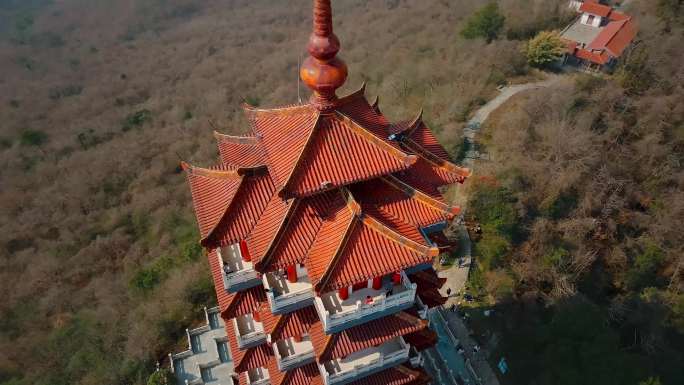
[
  {"x": 365, "y": 362},
  {"x": 257, "y": 376},
  {"x": 236, "y": 268},
  {"x": 292, "y": 353},
  {"x": 288, "y": 291},
  {"x": 380, "y": 297},
  {"x": 248, "y": 331}
]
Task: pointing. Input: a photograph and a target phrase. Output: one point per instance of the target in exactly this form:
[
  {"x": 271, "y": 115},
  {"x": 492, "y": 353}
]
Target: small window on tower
[{"x": 590, "y": 19}]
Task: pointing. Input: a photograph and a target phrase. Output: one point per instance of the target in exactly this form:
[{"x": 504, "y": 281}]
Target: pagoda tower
[{"x": 321, "y": 229}]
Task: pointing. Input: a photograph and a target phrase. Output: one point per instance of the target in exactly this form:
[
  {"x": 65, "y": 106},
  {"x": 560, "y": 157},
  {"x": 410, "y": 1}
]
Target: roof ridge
[
  {"x": 215, "y": 173},
  {"x": 421, "y": 196},
  {"x": 251, "y": 139},
  {"x": 287, "y": 108},
  {"x": 301, "y": 153},
  {"x": 408, "y": 159},
  {"x": 436, "y": 160},
  {"x": 394, "y": 236},
  {"x": 272, "y": 243},
  {"x": 284, "y": 224},
  {"x": 355, "y": 208}
]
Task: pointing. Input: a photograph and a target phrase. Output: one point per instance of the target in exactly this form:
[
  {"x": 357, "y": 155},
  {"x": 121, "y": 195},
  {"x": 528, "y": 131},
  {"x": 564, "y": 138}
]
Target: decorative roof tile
[
  {"x": 303, "y": 375},
  {"x": 292, "y": 324},
  {"x": 342, "y": 152},
  {"x": 212, "y": 192},
  {"x": 243, "y": 302},
  {"x": 398, "y": 375},
  {"x": 339, "y": 345},
  {"x": 250, "y": 358},
  {"x": 244, "y": 210},
  {"x": 240, "y": 151}
]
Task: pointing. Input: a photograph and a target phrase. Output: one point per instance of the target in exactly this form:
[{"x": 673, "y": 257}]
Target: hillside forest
[{"x": 580, "y": 202}]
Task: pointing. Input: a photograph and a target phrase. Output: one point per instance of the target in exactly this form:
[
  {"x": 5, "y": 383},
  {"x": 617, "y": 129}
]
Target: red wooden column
[
  {"x": 396, "y": 278},
  {"x": 343, "y": 292},
  {"x": 377, "y": 283},
  {"x": 245, "y": 251},
  {"x": 292, "y": 273}
]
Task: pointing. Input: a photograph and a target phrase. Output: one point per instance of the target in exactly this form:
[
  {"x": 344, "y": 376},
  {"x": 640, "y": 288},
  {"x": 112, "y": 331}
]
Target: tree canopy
[
  {"x": 545, "y": 49},
  {"x": 487, "y": 23}
]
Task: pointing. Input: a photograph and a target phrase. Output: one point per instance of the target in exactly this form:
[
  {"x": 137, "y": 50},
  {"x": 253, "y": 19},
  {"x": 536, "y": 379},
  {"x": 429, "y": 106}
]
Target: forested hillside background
[{"x": 100, "y": 271}]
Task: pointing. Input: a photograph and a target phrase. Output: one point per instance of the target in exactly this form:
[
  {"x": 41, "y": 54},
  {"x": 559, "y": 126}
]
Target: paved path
[{"x": 458, "y": 275}]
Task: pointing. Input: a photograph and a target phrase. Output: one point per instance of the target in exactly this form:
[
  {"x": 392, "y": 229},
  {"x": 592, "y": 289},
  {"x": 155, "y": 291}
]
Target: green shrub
[
  {"x": 136, "y": 119},
  {"x": 494, "y": 207},
  {"x": 487, "y": 23},
  {"x": 161, "y": 377},
  {"x": 33, "y": 138},
  {"x": 645, "y": 267}
]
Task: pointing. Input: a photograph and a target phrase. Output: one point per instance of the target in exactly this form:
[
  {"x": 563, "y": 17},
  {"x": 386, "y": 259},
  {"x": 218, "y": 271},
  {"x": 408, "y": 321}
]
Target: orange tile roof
[
  {"x": 284, "y": 134},
  {"x": 424, "y": 137},
  {"x": 339, "y": 345},
  {"x": 595, "y": 9},
  {"x": 246, "y": 359},
  {"x": 342, "y": 152},
  {"x": 245, "y": 209},
  {"x": 212, "y": 192},
  {"x": 399, "y": 200},
  {"x": 430, "y": 296},
  {"x": 362, "y": 255},
  {"x": 622, "y": 38},
  {"x": 266, "y": 231},
  {"x": 292, "y": 324},
  {"x": 398, "y": 375},
  {"x": 241, "y": 151},
  {"x": 300, "y": 229},
  {"x": 243, "y": 302},
  {"x": 303, "y": 375},
  {"x": 349, "y": 246}
]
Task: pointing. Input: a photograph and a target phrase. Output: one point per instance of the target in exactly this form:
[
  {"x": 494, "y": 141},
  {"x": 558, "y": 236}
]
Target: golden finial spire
[{"x": 322, "y": 71}]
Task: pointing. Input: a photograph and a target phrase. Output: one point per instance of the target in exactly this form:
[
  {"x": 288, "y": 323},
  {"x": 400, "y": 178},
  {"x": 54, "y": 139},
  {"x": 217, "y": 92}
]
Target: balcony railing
[
  {"x": 241, "y": 271},
  {"x": 291, "y": 354},
  {"x": 282, "y": 293},
  {"x": 248, "y": 331},
  {"x": 336, "y": 313},
  {"x": 365, "y": 362}
]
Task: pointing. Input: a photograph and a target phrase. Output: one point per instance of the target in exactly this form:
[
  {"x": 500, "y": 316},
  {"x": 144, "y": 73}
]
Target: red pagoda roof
[
  {"x": 281, "y": 326},
  {"x": 396, "y": 199},
  {"x": 421, "y": 339},
  {"x": 398, "y": 375},
  {"x": 243, "y": 192},
  {"x": 339, "y": 345},
  {"x": 243, "y": 360},
  {"x": 303, "y": 375},
  {"x": 240, "y": 151},
  {"x": 243, "y": 302}
]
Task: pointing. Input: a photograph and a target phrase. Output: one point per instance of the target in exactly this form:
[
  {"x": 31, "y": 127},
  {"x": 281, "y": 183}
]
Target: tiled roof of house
[
  {"x": 212, "y": 192},
  {"x": 615, "y": 37},
  {"x": 292, "y": 324},
  {"x": 339, "y": 345},
  {"x": 246, "y": 359},
  {"x": 228, "y": 201},
  {"x": 399, "y": 200},
  {"x": 303, "y": 375},
  {"x": 243, "y": 302},
  {"x": 595, "y": 8},
  {"x": 242, "y": 151},
  {"x": 398, "y": 375}
]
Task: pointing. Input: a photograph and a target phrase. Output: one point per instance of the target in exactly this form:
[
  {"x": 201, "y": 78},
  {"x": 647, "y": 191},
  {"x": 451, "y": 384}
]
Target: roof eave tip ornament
[{"x": 323, "y": 72}]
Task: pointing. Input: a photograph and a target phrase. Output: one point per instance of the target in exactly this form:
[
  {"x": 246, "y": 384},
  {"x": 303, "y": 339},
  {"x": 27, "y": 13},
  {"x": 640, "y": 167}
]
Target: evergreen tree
[
  {"x": 545, "y": 48},
  {"x": 487, "y": 22}
]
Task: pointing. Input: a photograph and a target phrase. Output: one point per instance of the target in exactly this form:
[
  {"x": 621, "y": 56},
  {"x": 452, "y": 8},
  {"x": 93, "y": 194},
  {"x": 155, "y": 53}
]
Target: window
[
  {"x": 222, "y": 348},
  {"x": 590, "y": 19},
  {"x": 213, "y": 320},
  {"x": 206, "y": 374}
]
